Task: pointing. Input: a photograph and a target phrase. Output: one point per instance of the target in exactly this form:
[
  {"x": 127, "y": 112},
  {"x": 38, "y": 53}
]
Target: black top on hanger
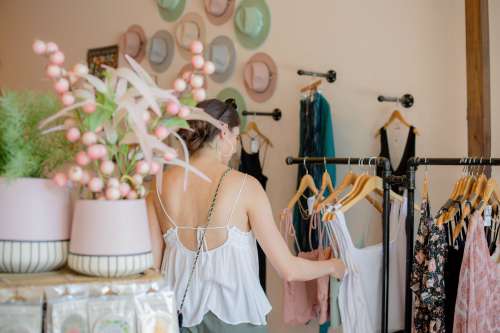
[{"x": 409, "y": 151}]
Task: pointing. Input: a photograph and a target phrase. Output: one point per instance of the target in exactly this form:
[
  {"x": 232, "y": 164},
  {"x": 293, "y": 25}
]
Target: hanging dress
[
  {"x": 409, "y": 151},
  {"x": 250, "y": 164},
  {"x": 477, "y": 307}
]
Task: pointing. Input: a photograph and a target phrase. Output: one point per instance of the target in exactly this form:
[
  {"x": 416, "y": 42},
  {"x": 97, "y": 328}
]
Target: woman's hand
[{"x": 339, "y": 268}]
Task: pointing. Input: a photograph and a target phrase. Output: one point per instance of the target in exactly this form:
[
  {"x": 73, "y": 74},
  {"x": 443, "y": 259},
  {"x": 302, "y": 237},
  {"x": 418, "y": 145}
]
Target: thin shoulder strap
[
  {"x": 237, "y": 199},
  {"x": 171, "y": 220}
]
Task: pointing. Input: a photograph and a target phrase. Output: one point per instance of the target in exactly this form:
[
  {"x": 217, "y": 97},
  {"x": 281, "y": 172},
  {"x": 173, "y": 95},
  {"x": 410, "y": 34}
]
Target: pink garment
[
  {"x": 305, "y": 300},
  {"x": 478, "y": 299}
]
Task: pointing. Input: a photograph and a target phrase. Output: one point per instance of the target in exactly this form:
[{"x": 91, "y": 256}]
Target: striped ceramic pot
[
  {"x": 35, "y": 223},
  {"x": 110, "y": 238}
]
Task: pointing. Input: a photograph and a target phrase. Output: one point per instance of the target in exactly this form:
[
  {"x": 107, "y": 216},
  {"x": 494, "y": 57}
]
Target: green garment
[{"x": 212, "y": 324}]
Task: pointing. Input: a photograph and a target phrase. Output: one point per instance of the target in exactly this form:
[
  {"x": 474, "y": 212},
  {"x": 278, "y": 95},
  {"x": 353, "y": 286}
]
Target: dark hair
[{"x": 202, "y": 131}]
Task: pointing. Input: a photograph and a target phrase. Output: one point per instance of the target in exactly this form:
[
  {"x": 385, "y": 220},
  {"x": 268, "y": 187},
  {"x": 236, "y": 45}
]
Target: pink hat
[
  {"x": 133, "y": 42},
  {"x": 219, "y": 11},
  {"x": 261, "y": 76}
]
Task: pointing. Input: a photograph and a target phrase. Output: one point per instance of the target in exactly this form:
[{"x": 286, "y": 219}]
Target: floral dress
[
  {"x": 478, "y": 301},
  {"x": 427, "y": 281}
]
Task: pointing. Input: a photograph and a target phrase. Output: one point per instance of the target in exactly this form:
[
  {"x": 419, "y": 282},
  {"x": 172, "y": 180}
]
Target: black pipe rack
[
  {"x": 387, "y": 181},
  {"x": 275, "y": 114},
  {"x": 330, "y": 76},
  {"x": 407, "y": 100}
]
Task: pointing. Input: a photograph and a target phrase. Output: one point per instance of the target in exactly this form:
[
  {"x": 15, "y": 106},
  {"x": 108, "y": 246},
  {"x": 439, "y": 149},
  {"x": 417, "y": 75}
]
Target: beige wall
[{"x": 384, "y": 46}]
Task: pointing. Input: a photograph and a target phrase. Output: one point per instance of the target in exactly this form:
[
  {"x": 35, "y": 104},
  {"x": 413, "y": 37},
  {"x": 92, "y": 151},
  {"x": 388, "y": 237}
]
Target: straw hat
[{"x": 133, "y": 42}]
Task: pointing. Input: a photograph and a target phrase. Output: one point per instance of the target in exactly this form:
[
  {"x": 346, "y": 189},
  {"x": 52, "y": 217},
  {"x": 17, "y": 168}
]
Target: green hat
[
  {"x": 252, "y": 23},
  {"x": 240, "y": 102},
  {"x": 171, "y": 10}
]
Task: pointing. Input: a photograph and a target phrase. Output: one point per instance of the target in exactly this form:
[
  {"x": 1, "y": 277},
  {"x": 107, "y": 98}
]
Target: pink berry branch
[{"x": 119, "y": 124}]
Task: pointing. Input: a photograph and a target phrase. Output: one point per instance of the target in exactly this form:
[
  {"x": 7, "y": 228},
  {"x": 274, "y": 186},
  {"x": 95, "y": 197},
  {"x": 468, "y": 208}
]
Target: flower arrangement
[
  {"x": 119, "y": 125},
  {"x": 24, "y": 152}
]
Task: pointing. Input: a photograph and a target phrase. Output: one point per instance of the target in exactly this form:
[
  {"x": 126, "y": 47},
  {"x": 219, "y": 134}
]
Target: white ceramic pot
[
  {"x": 35, "y": 223},
  {"x": 110, "y": 238}
]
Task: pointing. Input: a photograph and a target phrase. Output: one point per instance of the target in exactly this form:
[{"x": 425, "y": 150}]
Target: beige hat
[
  {"x": 190, "y": 28},
  {"x": 219, "y": 11},
  {"x": 133, "y": 42},
  {"x": 260, "y": 75}
]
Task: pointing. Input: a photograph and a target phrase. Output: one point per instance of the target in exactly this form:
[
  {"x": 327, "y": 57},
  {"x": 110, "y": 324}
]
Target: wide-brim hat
[
  {"x": 252, "y": 22},
  {"x": 260, "y": 77},
  {"x": 161, "y": 50},
  {"x": 229, "y": 92},
  {"x": 133, "y": 42},
  {"x": 171, "y": 10},
  {"x": 189, "y": 67},
  {"x": 219, "y": 11},
  {"x": 222, "y": 52},
  {"x": 190, "y": 28}
]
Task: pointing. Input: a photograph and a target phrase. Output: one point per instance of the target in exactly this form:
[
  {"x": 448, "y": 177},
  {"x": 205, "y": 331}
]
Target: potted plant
[
  {"x": 35, "y": 214},
  {"x": 119, "y": 126}
]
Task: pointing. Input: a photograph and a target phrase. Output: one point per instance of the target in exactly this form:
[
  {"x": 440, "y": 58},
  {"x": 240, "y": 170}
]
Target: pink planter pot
[
  {"x": 110, "y": 238},
  {"x": 35, "y": 223}
]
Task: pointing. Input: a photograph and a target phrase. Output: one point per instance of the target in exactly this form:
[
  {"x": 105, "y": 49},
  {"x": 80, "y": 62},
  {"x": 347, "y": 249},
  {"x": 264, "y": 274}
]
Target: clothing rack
[
  {"x": 276, "y": 114},
  {"x": 387, "y": 181},
  {"x": 413, "y": 164},
  {"x": 330, "y": 76},
  {"x": 407, "y": 100}
]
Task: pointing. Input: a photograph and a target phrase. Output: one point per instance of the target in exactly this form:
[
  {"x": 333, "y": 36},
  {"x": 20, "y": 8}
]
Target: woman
[{"x": 214, "y": 269}]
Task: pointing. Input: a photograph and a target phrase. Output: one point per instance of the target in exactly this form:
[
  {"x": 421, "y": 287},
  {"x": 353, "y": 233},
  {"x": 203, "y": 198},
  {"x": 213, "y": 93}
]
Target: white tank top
[
  {"x": 361, "y": 289},
  {"x": 226, "y": 278}
]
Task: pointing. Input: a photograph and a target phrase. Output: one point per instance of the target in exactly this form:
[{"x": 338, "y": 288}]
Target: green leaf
[
  {"x": 187, "y": 99},
  {"x": 174, "y": 122}
]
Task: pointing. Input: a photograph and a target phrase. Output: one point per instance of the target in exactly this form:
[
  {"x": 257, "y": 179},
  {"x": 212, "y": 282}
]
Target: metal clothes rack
[
  {"x": 387, "y": 181},
  {"x": 276, "y": 113},
  {"x": 413, "y": 164},
  {"x": 407, "y": 100},
  {"x": 330, "y": 76}
]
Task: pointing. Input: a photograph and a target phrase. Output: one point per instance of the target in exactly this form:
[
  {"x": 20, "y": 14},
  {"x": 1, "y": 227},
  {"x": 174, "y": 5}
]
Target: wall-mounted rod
[
  {"x": 276, "y": 114},
  {"x": 330, "y": 76},
  {"x": 406, "y": 100}
]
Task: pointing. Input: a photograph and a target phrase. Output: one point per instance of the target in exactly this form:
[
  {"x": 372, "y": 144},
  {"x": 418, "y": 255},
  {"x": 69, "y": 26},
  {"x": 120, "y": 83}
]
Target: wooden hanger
[
  {"x": 252, "y": 126},
  {"x": 369, "y": 186},
  {"x": 326, "y": 182},
  {"x": 312, "y": 87},
  {"x": 489, "y": 192},
  {"x": 307, "y": 182},
  {"x": 396, "y": 115}
]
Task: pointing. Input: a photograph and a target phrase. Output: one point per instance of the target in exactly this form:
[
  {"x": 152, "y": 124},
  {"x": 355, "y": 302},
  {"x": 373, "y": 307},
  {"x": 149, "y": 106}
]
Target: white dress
[{"x": 360, "y": 291}]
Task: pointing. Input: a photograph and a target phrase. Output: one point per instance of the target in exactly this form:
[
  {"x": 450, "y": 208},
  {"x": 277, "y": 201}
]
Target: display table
[
  {"x": 67, "y": 276},
  {"x": 65, "y": 301}
]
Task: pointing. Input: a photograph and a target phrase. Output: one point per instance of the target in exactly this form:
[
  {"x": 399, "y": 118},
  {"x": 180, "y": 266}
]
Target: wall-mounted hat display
[
  {"x": 190, "y": 28},
  {"x": 252, "y": 22},
  {"x": 161, "y": 50},
  {"x": 260, "y": 76},
  {"x": 171, "y": 10},
  {"x": 219, "y": 11},
  {"x": 222, "y": 52},
  {"x": 229, "y": 92},
  {"x": 133, "y": 42},
  {"x": 189, "y": 68}
]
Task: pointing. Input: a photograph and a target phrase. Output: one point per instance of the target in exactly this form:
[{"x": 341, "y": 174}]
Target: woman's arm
[
  {"x": 289, "y": 267},
  {"x": 155, "y": 230}
]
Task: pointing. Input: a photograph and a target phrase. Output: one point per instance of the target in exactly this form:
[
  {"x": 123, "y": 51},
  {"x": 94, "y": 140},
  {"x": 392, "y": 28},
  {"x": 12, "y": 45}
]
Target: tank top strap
[
  {"x": 233, "y": 208},
  {"x": 170, "y": 219}
]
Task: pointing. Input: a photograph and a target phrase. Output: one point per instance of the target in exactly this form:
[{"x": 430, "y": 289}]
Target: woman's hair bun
[{"x": 201, "y": 132}]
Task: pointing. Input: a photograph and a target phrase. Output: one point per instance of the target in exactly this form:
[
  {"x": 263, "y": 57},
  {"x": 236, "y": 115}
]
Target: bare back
[{"x": 189, "y": 210}]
